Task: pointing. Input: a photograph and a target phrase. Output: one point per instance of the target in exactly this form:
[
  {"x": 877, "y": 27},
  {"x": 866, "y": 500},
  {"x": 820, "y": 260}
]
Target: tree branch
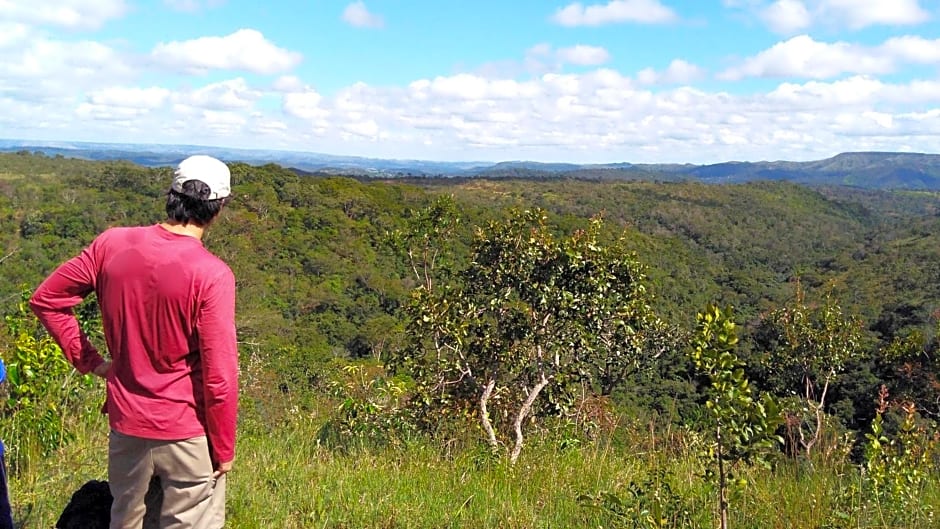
[
  {"x": 7, "y": 256},
  {"x": 523, "y": 412},
  {"x": 485, "y": 415}
]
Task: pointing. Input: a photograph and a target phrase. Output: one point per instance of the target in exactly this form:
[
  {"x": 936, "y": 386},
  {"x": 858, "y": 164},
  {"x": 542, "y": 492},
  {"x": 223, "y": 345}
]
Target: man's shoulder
[
  {"x": 119, "y": 233},
  {"x": 217, "y": 265},
  {"x": 212, "y": 266}
]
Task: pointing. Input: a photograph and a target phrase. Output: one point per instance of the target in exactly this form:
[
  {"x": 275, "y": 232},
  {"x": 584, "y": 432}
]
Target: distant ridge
[{"x": 871, "y": 170}]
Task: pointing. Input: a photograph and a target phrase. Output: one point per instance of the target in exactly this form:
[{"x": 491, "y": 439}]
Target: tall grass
[{"x": 285, "y": 478}]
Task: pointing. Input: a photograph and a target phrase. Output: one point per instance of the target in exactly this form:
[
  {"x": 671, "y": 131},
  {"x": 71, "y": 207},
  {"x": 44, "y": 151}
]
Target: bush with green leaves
[
  {"x": 372, "y": 411},
  {"x": 43, "y": 390},
  {"x": 897, "y": 467},
  {"x": 649, "y": 503}
]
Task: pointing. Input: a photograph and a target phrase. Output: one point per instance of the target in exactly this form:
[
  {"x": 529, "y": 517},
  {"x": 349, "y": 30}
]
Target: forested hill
[
  {"x": 311, "y": 249},
  {"x": 318, "y": 278},
  {"x": 868, "y": 170},
  {"x": 871, "y": 170}
]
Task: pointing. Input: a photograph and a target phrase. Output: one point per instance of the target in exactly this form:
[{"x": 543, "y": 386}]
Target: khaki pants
[{"x": 191, "y": 498}]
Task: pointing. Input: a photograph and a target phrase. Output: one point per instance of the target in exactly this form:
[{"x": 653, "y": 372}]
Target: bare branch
[
  {"x": 7, "y": 256},
  {"x": 523, "y": 413},
  {"x": 485, "y": 415}
]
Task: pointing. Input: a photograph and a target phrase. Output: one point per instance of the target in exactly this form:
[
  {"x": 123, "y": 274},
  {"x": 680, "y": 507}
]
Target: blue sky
[{"x": 606, "y": 81}]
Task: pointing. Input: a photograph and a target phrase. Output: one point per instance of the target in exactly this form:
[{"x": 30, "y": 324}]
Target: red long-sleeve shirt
[{"x": 168, "y": 309}]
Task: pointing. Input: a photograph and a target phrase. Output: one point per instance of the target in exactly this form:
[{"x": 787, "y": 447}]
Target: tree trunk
[
  {"x": 485, "y": 415},
  {"x": 722, "y": 484},
  {"x": 523, "y": 412}
]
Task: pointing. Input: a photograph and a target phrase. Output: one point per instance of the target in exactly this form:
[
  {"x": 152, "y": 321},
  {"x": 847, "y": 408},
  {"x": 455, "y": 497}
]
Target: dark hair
[{"x": 191, "y": 206}]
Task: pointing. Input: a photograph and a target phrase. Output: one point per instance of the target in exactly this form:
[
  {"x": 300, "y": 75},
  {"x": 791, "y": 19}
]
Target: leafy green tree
[
  {"x": 912, "y": 363},
  {"x": 530, "y": 310},
  {"x": 809, "y": 347},
  {"x": 743, "y": 423}
]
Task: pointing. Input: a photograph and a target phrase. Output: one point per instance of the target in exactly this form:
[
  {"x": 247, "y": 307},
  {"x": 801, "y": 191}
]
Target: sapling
[{"x": 743, "y": 425}]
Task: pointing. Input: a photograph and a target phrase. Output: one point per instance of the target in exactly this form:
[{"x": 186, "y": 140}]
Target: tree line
[{"x": 506, "y": 301}]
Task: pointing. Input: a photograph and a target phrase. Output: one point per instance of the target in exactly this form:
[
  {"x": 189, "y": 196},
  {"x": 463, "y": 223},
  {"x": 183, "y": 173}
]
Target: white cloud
[
  {"x": 791, "y": 16},
  {"x": 109, "y": 113},
  {"x": 226, "y": 95},
  {"x": 859, "y": 14},
  {"x": 287, "y": 83},
  {"x": 787, "y": 16},
  {"x": 599, "y": 115},
  {"x": 615, "y": 11},
  {"x": 815, "y": 95},
  {"x": 913, "y": 49},
  {"x": 802, "y": 56},
  {"x": 83, "y": 89},
  {"x": 855, "y": 91},
  {"x": 543, "y": 58},
  {"x": 122, "y": 103},
  {"x": 367, "y": 129},
  {"x": 358, "y": 15},
  {"x": 461, "y": 86},
  {"x": 70, "y": 14},
  {"x": 245, "y": 49},
  {"x": 223, "y": 122},
  {"x": 583, "y": 55},
  {"x": 13, "y": 34},
  {"x": 130, "y": 97},
  {"x": 268, "y": 126},
  {"x": 305, "y": 105},
  {"x": 678, "y": 72},
  {"x": 564, "y": 116},
  {"x": 47, "y": 69},
  {"x": 192, "y": 6}
]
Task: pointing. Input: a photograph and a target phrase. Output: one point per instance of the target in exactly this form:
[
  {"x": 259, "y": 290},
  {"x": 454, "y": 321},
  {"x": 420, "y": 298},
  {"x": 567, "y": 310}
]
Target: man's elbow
[
  {"x": 223, "y": 389},
  {"x": 36, "y": 303}
]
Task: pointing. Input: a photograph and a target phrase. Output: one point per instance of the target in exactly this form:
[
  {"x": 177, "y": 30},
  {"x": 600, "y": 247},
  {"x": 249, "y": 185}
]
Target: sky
[{"x": 642, "y": 81}]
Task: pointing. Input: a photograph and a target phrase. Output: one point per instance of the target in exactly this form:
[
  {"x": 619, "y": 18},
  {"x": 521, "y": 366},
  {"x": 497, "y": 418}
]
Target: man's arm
[
  {"x": 219, "y": 351},
  {"x": 53, "y": 301}
]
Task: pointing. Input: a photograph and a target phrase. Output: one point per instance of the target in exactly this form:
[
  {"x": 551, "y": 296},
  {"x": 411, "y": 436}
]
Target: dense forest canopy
[{"x": 318, "y": 279}]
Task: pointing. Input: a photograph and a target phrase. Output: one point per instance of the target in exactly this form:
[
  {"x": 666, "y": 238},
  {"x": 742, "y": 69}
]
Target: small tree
[
  {"x": 809, "y": 349},
  {"x": 529, "y": 310},
  {"x": 898, "y": 466},
  {"x": 743, "y": 425}
]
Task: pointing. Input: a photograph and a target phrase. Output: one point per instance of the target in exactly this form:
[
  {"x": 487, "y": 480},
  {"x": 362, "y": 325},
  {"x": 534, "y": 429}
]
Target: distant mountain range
[{"x": 872, "y": 170}]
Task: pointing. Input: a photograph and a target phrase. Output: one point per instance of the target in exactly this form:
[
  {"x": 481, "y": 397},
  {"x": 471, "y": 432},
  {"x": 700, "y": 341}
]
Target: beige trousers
[{"x": 192, "y": 499}]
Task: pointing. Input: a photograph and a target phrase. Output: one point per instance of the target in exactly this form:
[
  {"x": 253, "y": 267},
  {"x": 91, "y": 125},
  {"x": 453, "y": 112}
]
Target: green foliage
[
  {"x": 372, "y": 412},
  {"x": 911, "y": 369},
  {"x": 319, "y": 288},
  {"x": 531, "y": 312},
  {"x": 745, "y": 421},
  {"x": 808, "y": 347},
  {"x": 650, "y": 503},
  {"x": 897, "y": 467},
  {"x": 427, "y": 242},
  {"x": 42, "y": 387},
  {"x": 743, "y": 425}
]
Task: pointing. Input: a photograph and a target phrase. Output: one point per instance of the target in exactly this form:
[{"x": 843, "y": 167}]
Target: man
[{"x": 168, "y": 310}]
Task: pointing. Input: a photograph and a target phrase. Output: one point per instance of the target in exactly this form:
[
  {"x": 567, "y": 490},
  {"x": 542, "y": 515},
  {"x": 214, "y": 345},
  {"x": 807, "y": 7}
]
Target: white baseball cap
[{"x": 214, "y": 173}]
